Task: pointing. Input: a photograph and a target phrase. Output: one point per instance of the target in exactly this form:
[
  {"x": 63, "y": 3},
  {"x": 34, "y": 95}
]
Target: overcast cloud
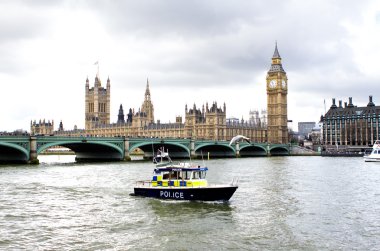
[{"x": 191, "y": 51}]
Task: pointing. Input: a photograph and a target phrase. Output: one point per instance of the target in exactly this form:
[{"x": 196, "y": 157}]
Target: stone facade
[
  {"x": 42, "y": 127},
  {"x": 147, "y": 106},
  {"x": 351, "y": 125},
  {"x": 207, "y": 123},
  {"x": 277, "y": 91},
  {"x": 97, "y": 104}
]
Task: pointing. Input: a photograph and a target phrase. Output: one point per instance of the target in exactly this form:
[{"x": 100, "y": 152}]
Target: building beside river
[
  {"x": 205, "y": 122},
  {"x": 350, "y": 125}
]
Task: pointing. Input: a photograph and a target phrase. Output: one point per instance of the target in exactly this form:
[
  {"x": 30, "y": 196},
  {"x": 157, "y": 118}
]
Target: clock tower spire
[{"x": 277, "y": 108}]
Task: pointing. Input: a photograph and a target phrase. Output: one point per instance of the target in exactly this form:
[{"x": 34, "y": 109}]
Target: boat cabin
[{"x": 180, "y": 177}]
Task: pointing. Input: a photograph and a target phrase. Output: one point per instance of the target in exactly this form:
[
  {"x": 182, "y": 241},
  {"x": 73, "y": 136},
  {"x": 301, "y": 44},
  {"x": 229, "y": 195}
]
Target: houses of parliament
[{"x": 208, "y": 122}]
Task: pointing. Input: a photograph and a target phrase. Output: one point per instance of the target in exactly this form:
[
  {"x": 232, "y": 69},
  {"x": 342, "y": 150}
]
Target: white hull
[
  {"x": 374, "y": 156},
  {"x": 372, "y": 159}
]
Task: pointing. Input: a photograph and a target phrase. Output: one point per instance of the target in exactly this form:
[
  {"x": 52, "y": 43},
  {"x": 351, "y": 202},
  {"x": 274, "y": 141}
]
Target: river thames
[{"x": 282, "y": 203}]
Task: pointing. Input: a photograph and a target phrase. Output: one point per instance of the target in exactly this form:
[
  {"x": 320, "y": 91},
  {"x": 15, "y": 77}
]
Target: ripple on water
[{"x": 285, "y": 203}]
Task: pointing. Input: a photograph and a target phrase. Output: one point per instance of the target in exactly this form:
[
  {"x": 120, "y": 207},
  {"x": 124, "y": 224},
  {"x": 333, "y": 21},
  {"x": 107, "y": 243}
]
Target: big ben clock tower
[{"x": 277, "y": 108}]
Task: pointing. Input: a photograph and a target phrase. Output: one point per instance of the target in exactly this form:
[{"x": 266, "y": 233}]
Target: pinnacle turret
[
  {"x": 276, "y": 62},
  {"x": 276, "y": 54},
  {"x": 147, "y": 91},
  {"x": 120, "y": 116}
]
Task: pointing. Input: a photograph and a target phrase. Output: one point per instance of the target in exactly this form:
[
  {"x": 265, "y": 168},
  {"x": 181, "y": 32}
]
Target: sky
[{"x": 192, "y": 52}]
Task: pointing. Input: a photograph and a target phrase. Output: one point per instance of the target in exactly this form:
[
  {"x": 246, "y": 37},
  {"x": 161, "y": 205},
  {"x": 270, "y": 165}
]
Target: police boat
[{"x": 182, "y": 181}]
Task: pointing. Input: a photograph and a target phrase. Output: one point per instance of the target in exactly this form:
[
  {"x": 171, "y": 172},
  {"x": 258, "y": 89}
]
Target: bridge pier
[
  {"x": 127, "y": 157},
  {"x": 33, "y": 151},
  {"x": 237, "y": 149},
  {"x": 192, "y": 149}
]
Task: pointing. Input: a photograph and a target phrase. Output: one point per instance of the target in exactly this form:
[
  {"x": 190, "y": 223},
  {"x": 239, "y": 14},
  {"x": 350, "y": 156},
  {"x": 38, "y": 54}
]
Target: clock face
[
  {"x": 272, "y": 83},
  {"x": 283, "y": 83}
]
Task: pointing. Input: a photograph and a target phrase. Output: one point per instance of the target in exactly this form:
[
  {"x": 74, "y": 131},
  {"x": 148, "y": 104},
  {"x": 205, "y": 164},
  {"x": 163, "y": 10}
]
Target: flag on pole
[{"x": 97, "y": 63}]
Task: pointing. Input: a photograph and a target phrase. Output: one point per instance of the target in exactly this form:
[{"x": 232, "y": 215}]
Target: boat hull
[
  {"x": 371, "y": 159},
  {"x": 219, "y": 193}
]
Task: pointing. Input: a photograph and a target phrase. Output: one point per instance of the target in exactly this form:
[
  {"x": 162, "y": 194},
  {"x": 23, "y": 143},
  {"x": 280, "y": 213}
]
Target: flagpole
[{"x": 97, "y": 63}]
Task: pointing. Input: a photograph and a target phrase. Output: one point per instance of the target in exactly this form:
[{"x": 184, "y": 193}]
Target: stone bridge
[{"x": 25, "y": 149}]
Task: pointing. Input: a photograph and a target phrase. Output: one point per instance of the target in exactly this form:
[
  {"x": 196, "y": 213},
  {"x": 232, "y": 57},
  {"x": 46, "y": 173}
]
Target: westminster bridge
[{"x": 25, "y": 149}]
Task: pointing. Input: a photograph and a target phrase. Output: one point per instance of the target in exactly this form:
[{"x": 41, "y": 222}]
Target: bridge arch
[
  {"x": 279, "y": 151},
  {"x": 88, "y": 150},
  {"x": 253, "y": 151},
  {"x": 176, "y": 150},
  {"x": 11, "y": 152},
  {"x": 214, "y": 150}
]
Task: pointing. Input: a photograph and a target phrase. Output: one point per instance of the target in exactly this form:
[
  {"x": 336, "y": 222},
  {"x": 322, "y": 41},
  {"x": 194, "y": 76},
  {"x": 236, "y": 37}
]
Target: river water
[{"x": 282, "y": 203}]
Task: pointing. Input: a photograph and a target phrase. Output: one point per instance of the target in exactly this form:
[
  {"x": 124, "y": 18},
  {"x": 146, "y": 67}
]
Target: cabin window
[
  {"x": 195, "y": 175},
  {"x": 202, "y": 175},
  {"x": 165, "y": 176},
  {"x": 173, "y": 175},
  {"x": 187, "y": 175}
]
